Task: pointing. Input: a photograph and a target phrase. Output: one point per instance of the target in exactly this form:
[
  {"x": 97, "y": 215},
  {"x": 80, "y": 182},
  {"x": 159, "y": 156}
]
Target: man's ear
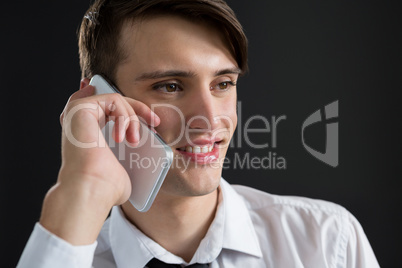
[{"x": 84, "y": 83}]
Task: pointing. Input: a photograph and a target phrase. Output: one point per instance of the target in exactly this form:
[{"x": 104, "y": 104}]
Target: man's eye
[
  {"x": 168, "y": 87},
  {"x": 225, "y": 85},
  {"x": 171, "y": 87}
]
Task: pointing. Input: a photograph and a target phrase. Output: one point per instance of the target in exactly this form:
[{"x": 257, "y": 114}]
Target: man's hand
[{"x": 91, "y": 180}]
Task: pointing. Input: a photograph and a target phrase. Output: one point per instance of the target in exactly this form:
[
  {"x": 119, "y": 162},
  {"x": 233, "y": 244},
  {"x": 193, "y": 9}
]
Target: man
[{"x": 189, "y": 55}]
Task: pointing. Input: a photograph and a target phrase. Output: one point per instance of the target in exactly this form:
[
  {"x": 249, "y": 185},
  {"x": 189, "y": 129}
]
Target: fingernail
[
  {"x": 136, "y": 137},
  {"x": 155, "y": 120}
]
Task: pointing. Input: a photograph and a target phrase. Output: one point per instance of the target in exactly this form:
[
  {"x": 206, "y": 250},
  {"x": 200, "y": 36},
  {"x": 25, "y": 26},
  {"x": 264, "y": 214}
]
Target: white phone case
[{"x": 146, "y": 164}]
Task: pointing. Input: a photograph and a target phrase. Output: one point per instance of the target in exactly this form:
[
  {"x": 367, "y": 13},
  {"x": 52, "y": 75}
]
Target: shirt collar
[
  {"x": 239, "y": 232},
  {"x": 125, "y": 242},
  {"x": 231, "y": 229}
]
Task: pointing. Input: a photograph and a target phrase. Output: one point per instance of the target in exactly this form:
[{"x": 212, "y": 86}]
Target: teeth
[{"x": 197, "y": 149}]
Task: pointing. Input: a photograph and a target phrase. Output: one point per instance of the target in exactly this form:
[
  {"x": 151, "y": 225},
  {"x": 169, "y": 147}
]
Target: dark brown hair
[{"x": 99, "y": 33}]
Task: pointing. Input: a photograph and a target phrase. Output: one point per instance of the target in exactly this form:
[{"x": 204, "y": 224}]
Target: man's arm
[
  {"x": 91, "y": 180},
  {"x": 44, "y": 249}
]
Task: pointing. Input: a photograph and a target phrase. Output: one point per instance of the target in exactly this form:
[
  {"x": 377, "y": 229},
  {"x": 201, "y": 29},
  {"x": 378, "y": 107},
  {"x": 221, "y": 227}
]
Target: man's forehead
[
  {"x": 155, "y": 28},
  {"x": 171, "y": 44}
]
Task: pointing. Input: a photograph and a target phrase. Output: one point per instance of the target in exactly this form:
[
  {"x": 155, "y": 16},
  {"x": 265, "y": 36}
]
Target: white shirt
[{"x": 251, "y": 229}]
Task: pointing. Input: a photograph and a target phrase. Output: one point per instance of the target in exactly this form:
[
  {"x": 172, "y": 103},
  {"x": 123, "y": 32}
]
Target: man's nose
[{"x": 203, "y": 111}]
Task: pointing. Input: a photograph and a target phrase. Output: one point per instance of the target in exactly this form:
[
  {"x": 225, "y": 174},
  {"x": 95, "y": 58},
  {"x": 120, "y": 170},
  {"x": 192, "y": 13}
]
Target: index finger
[{"x": 144, "y": 112}]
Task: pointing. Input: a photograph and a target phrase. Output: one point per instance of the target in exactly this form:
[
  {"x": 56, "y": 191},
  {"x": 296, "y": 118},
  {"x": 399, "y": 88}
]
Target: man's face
[{"x": 186, "y": 70}]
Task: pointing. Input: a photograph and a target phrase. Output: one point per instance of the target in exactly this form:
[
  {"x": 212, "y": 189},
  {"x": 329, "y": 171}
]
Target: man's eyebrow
[
  {"x": 163, "y": 74},
  {"x": 233, "y": 70},
  {"x": 178, "y": 73}
]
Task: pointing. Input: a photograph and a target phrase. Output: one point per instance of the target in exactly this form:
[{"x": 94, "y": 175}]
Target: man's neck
[{"x": 178, "y": 224}]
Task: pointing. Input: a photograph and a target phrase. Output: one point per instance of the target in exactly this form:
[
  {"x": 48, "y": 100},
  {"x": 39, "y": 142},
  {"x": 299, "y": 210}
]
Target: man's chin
[{"x": 192, "y": 182}]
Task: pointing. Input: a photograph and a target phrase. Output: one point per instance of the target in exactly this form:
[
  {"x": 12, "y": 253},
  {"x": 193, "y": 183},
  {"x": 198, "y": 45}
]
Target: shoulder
[
  {"x": 295, "y": 217},
  {"x": 256, "y": 200},
  {"x": 299, "y": 225}
]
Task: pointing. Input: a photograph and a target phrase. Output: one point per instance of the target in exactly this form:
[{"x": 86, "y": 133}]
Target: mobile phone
[{"x": 146, "y": 164}]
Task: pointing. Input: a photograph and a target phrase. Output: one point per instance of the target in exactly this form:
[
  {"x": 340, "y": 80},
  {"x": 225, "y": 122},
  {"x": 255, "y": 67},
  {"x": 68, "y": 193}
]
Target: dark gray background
[{"x": 303, "y": 55}]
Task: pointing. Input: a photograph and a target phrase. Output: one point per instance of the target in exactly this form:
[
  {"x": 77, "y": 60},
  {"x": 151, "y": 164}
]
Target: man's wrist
[{"x": 74, "y": 214}]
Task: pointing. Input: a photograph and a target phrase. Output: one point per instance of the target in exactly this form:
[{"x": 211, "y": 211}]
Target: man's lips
[
  {"x": 202, "y": 154},
  {"x": 197, "y": 149},
  {"x": 200, "y": 145}
]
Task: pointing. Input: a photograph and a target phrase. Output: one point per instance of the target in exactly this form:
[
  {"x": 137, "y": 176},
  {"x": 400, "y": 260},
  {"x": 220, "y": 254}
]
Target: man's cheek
[
  {"x": 171, "y": 130},
  {"x": 172, "y": 123}
]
